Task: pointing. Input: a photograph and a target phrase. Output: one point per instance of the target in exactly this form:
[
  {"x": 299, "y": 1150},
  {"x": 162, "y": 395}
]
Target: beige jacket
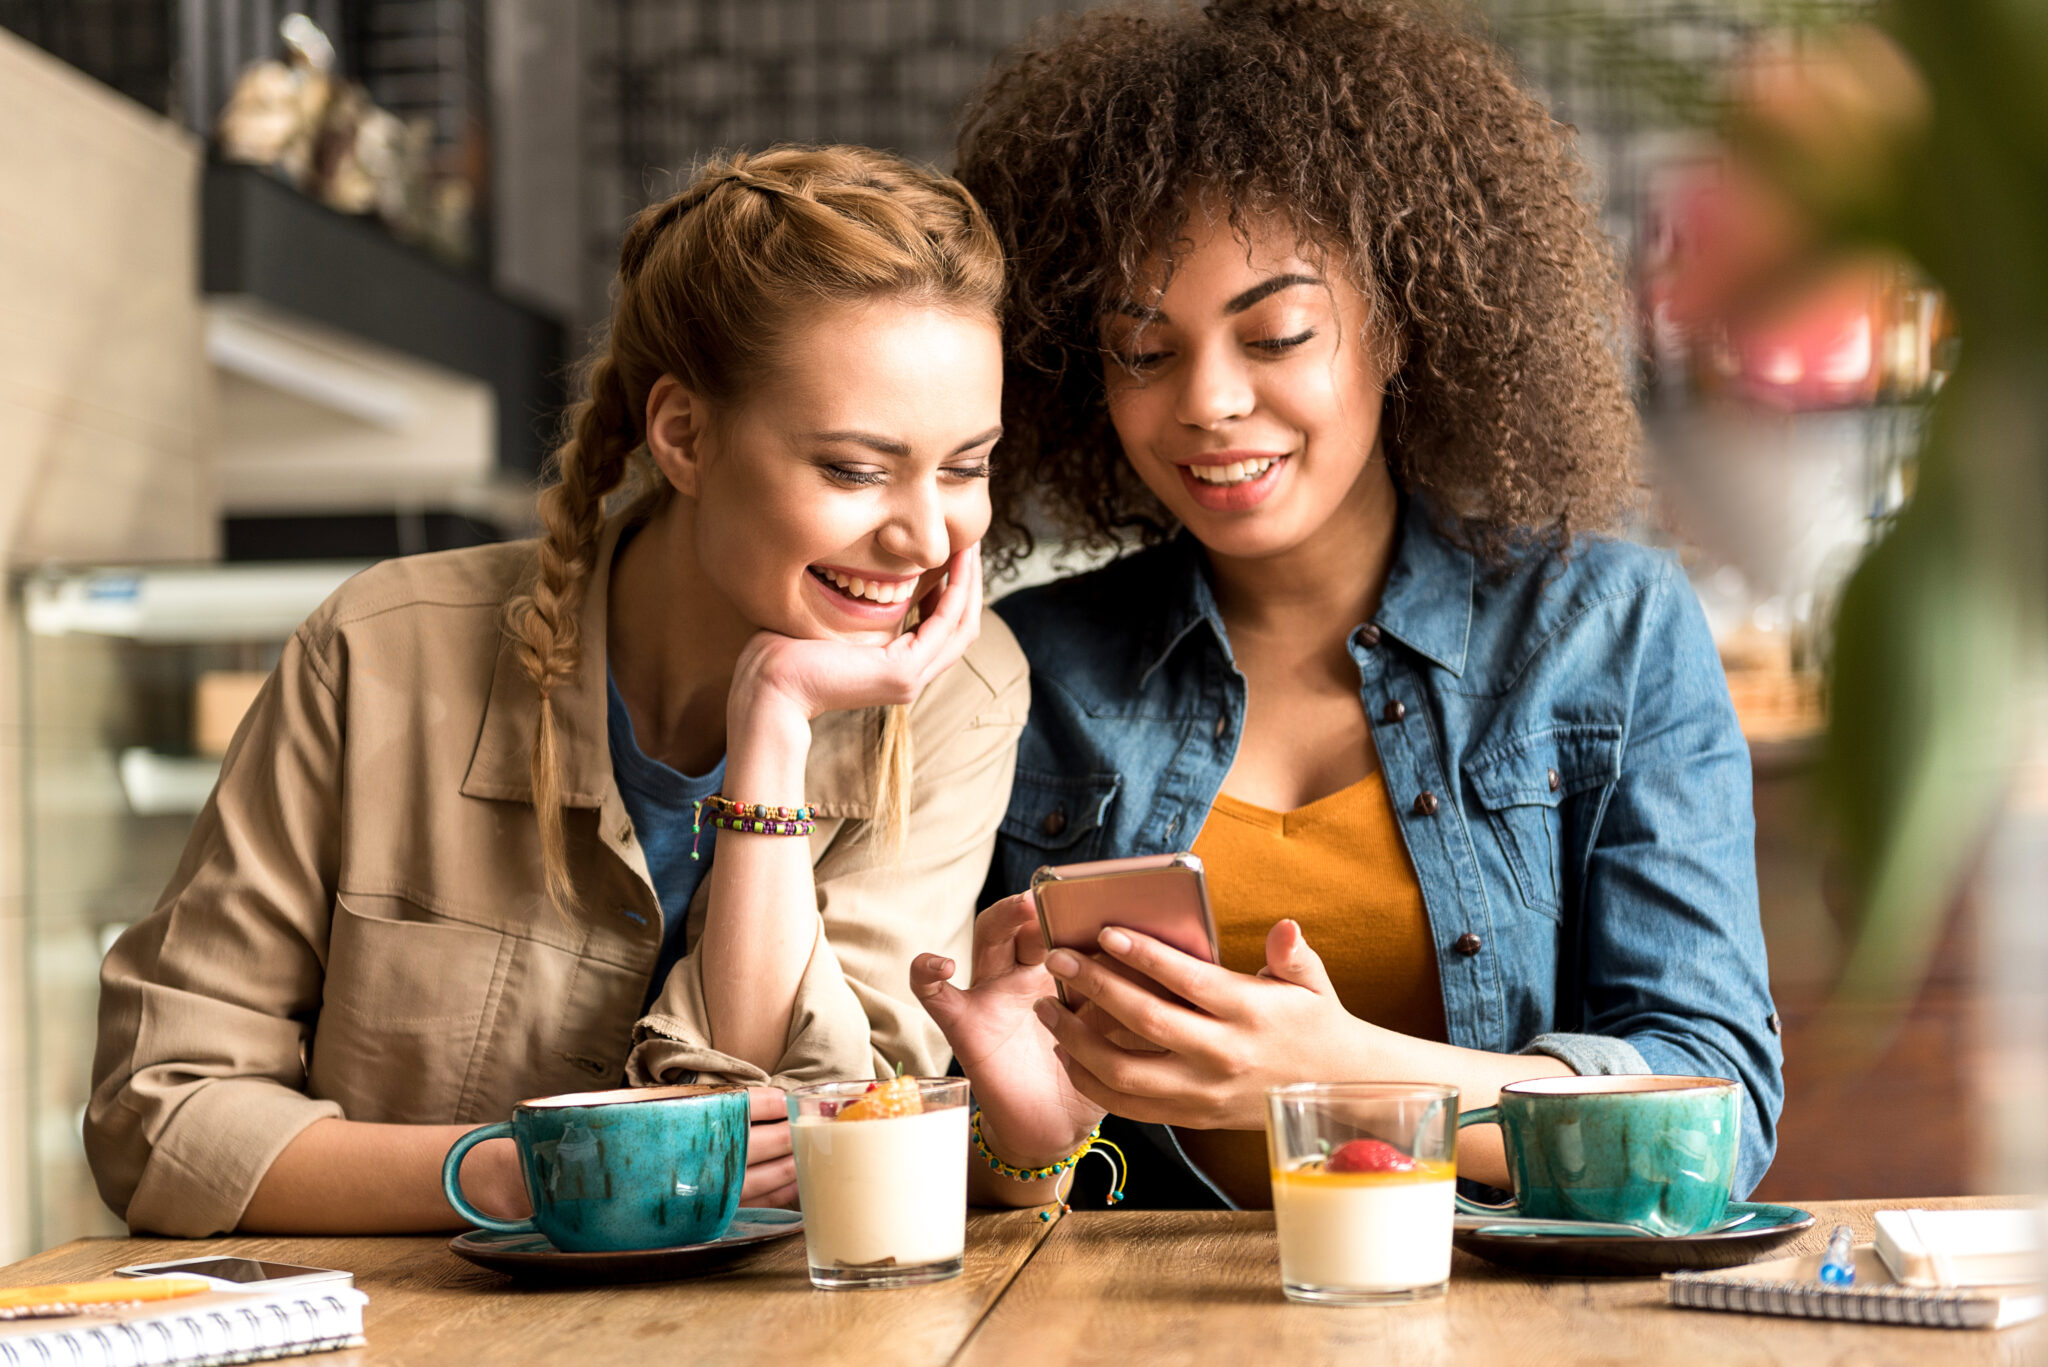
[{"x": 357, "y": 927}]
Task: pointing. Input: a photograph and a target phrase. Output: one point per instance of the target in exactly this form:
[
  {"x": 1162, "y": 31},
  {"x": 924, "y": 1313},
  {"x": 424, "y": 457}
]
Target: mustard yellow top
[{"x": 1338, "y": 867}]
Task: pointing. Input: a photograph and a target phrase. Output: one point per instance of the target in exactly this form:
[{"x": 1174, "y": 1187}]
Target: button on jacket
[
  {"x": 1563, "y": 761},
  {"x": 358, "y": 928}
]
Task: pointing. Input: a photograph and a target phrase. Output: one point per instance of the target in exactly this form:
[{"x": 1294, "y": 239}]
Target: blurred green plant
[
  {"x": 1938, "y": 148},
  {"x": 1916, "y": 127}
]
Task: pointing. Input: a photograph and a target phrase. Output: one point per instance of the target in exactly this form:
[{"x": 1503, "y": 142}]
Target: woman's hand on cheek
[
  {"x": 1031, "y": 1113},
  {"x": 829, "y": 675},
  {"x": 1238, "y": 1035},
  {"x": 771, "y": 1166}
]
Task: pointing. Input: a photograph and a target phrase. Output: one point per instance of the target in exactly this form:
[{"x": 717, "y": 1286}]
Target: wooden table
[{"x": 1109, "y": 1287}]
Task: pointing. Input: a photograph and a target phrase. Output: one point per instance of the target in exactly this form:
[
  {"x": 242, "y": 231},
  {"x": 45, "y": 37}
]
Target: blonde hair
[{"x": 710, "y": 280}]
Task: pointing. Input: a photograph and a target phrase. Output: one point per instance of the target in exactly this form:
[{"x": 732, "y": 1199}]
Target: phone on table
[
  {"x": 240, "y": 1274},
  {"x": 1161, "y": 895}
]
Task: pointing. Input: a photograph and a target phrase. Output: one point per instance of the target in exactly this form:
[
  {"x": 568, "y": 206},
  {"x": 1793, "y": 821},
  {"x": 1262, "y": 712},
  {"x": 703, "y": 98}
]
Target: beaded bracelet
[
  {"x": 1094, "y": 1143},
  {"x": 749, "y": 818},
  {"x": 719, "y": 805},
  {"x": 754, "y": 825}
]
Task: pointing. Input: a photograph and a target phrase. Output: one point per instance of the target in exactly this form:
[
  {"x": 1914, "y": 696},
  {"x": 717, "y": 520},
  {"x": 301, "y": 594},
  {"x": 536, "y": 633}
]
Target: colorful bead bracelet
[
  {"x": 1094, "y": 1143},
  {"x": 749, "y": 819},
  {"x": 754, "y": 825}
]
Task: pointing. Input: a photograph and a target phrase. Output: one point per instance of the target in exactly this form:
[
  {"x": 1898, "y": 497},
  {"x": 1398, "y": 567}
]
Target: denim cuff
[{"x": 1589, "y": 1055}]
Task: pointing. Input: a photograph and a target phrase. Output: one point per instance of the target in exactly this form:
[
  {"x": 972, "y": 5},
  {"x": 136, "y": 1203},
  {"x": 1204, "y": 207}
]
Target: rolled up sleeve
[
  {"x": 207, "y": 1003},
  {"x": 854, "y": 1014},
  {"x": 1676, "y": 969}
]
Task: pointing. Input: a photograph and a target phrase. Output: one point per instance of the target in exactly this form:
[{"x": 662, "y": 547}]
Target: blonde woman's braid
[{"x": 545, "y": 622}]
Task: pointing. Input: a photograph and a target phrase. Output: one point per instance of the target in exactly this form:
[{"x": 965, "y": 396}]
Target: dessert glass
[
  {"x": 884, "y": 1196},
  {"x": 1363, "y": 1176}
]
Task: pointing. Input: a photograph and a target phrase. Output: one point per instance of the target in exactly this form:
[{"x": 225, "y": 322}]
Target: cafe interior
[{"x": 293, "y": 286}]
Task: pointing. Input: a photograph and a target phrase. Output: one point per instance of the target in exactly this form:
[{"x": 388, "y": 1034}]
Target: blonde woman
[{"x": 454, "y": 860}]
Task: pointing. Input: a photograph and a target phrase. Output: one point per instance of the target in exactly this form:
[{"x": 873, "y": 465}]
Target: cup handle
[
  {"x": 451, "y": 1181},
  {"x": 1485, "y": 1115}
]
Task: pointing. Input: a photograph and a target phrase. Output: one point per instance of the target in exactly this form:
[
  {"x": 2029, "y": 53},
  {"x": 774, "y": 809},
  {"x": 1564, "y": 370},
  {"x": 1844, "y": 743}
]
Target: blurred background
[{"x": 285, "y": 289}]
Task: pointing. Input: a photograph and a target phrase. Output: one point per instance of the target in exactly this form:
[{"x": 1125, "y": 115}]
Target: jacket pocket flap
[
  {"x": 1054, "y": 812},
  {"x": 1540, "y": 768}
]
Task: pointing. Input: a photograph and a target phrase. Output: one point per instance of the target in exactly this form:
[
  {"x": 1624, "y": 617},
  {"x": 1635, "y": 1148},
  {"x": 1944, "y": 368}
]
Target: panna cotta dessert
[
  {"x": 882, "y": 1176},
  {"x": 1364, "y": 1220}
]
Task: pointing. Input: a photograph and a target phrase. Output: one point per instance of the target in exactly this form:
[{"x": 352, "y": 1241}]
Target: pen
[
  {"x": 25, "y": 1301},
  {"x": 1838, "y": 1264}
]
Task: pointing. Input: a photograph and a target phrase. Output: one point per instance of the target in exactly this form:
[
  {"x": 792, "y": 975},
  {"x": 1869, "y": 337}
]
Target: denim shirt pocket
[
  {"x": 1056, "y": 819},
  {"x": 1523, "y": 784}
]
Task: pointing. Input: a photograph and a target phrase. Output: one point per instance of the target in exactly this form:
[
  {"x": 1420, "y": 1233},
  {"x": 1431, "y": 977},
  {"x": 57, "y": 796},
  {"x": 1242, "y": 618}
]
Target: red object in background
[
  {"x": 1725, "y": 307},
  {"x": 1819, "y": 351}
]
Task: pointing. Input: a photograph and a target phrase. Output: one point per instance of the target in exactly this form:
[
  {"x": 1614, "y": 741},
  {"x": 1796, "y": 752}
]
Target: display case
[{"x": 132, "y": 683}]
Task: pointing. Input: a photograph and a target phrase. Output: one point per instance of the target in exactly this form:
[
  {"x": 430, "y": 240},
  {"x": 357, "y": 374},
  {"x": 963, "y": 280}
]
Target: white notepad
[
  {"x": 215, "y": 1326},
  {"x": 1961, "y": 1247}
]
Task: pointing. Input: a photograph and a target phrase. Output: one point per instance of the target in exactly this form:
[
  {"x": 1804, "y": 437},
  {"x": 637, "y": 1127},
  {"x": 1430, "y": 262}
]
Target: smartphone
[
  {"x": 240, "y": 1274},
  {"x": 1161, "y": 895}
]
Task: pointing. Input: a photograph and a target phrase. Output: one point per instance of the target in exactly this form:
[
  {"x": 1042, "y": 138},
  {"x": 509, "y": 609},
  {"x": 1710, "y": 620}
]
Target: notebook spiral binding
[
  {"x": 1930, "y": 1309},
  {"x": 203, "y": 1338}
]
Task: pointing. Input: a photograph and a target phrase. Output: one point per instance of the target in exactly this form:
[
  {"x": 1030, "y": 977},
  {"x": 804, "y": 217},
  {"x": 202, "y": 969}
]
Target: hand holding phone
[{"x": 1161, "y": 895}]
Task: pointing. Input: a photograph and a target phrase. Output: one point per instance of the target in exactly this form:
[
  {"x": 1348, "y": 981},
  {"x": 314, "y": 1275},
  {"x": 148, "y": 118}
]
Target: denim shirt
[{"x": 1566, "y": 768}]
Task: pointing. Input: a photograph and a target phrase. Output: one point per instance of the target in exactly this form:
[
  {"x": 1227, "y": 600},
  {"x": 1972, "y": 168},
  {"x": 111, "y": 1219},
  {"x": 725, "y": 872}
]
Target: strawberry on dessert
[{"x": 1368, "y": 1155}]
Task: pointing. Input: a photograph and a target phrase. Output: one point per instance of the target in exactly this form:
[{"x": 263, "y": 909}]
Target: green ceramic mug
[
  {"x": 607, "y": 1172},
  {"x": 1654, "y": 1151}
]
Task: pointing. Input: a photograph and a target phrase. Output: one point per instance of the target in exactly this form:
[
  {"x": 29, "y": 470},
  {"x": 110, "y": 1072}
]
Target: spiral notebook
[
  {"x": 214, "y": 1327},
  {"x": 1792, "y": 1286}
]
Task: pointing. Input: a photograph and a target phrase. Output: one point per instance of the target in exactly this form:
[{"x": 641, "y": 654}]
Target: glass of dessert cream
[
  {"x": 881, "y": 1172},
  {"x": 1363, "y": 1174}
]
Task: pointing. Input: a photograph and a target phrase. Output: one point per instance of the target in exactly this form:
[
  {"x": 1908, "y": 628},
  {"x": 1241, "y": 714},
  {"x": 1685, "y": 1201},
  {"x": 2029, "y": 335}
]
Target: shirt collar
[
  {"x": 1426, "y": 605},
  {"x": 1188, "y": 605}
]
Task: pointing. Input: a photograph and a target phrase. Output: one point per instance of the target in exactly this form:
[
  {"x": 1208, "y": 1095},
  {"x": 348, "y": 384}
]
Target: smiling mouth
[
  {"x": 1236, "y": 472},
  {"x": 865, "y": 590}
]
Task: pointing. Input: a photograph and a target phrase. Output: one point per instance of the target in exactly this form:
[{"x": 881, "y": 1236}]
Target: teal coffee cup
[
  {"x": 608, "y": 1172},
  {"x": 1652, "y": 1151}
]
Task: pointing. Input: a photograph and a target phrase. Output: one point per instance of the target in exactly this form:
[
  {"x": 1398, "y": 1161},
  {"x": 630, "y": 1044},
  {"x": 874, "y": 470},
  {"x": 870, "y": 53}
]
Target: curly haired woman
[
  {"x": 451, "y": 860},
  {"x": 1304, "y": 300}
]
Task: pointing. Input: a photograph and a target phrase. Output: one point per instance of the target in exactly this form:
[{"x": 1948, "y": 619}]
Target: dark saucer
[
  {"x": 1592, "y": 1255},
  {"x": 532, "y": 1257}
]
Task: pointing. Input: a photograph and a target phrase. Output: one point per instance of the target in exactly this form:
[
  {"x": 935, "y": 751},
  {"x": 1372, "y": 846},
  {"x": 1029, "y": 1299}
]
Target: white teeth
[
  {"x": 1237, "y": 472},
  {"x": 855, "y": 587}
]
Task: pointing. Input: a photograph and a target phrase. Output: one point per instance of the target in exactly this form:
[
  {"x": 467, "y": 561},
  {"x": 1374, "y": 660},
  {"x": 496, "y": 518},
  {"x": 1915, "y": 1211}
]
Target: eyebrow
[
  {"x": 889, "y": 446},
  {"x": 1265, "y": 289}
]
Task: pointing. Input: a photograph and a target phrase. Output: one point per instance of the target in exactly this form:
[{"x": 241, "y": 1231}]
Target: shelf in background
[
  {"x": 166, "y": 785},
  {"x": 253, "y": 602},
  {"x": 262, "y": 239}
]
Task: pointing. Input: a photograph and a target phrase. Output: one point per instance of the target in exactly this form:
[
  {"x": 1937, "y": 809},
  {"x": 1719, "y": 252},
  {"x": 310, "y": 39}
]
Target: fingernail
[
  {"x": 1047, "y": 1012},
  {"x": 1114, "y": 940},
  {"x": 1063, "y": 963}
]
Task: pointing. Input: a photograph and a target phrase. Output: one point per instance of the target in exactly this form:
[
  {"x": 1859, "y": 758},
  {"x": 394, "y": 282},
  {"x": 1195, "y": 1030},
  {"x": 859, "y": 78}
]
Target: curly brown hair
[{"x": 1394, "y": 136}]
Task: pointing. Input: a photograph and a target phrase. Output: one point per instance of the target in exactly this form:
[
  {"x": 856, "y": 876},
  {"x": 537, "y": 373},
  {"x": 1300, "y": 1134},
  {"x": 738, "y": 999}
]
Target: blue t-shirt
[{"x": 661, "y": 803}]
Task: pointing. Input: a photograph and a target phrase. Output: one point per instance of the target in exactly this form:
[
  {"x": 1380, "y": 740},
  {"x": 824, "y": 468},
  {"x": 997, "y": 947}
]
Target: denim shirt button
[
  {"x": 1555, "y": 781},
  {"x": 1055, "y": 821},
  {"x": 1468, "y": 944},
  {"x": 1393, "y": 711},
  {"x": 1425, "y": 804},
  {"x": 1222, "y": 724},
  {"x": 1369, "y": 636}
]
